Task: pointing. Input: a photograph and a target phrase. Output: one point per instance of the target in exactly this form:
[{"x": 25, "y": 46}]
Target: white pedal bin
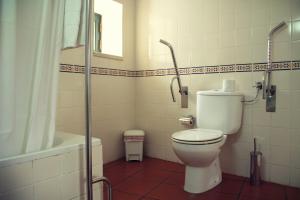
[{"x": 134, "y": 140}]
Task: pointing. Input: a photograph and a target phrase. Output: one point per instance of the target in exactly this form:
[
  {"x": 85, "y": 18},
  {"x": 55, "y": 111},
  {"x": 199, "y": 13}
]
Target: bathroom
[{"x": 213, "y": 40}]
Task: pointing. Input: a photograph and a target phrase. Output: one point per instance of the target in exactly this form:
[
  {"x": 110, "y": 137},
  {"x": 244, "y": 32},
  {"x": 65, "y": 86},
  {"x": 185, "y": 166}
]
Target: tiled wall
[
  {"x": 214, "y": 33},
  {"x": 113, "y": 97},
  {"x": 59, "y": 177}
]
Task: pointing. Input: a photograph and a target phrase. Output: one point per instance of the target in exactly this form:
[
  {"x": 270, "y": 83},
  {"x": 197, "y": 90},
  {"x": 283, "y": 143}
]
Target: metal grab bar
[
  {"x": 182, "y": 90},
  {"x": 171, "y": 88},
  {"x": 269, "y": 90},
  {"x": 268, "y": 71},
  {"x": 175, "y": 64},
  {"x": 107, "y": 182}
]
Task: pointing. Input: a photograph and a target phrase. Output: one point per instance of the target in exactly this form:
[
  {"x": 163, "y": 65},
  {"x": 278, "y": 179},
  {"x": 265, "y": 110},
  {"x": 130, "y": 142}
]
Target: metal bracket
[
  {"x": 271, "y": 99},
  {"x": 184, "y": 97}
]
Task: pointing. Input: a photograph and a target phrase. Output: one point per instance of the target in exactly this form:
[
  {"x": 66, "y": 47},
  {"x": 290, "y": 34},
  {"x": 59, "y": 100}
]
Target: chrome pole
[
  {"x": 88, "y": 124},
  {"x": 268, "y": 72}
]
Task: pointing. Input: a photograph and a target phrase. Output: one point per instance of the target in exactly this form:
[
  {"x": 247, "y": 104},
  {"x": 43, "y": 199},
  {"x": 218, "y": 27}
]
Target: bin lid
[{"x": 134, "y": 133}]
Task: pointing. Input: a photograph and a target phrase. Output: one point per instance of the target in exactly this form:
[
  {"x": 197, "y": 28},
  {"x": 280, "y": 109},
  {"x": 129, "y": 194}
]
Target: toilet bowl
[
  {"x": 198, "y": 149},
  {"x": 219, "y": 114}
]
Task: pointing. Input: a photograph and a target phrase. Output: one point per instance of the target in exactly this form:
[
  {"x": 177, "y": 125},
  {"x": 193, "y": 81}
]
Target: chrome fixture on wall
[
  {"x": 188, "y": 121},
  {"x": 183, "y": 90},
  {"x": 269, "y": 90}
]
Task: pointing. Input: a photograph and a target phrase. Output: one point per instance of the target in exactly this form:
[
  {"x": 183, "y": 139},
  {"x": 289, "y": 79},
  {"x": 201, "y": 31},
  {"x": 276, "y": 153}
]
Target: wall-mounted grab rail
[
  {"x": 108, "y": 185},
  {"x": 175, "y": 65},
  {"x": 269, "y": 90},
  {"x": 182, "y": 90},
  {"x": 268, "y": 71}
]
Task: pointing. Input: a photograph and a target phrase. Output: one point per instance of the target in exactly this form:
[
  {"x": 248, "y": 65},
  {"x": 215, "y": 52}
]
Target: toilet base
[{"x": 201, "y": 179}]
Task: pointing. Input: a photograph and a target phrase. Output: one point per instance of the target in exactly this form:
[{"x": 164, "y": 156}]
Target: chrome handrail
[
  {"x": 174, "y": 62},
  {"x": 183, "y": 90},
  {"x": 107, "y": 182},
  {"x": 268, "y": 71}
]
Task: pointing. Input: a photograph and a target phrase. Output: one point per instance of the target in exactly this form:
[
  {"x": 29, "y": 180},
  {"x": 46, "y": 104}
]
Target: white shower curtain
[{"x": 30, "y": 41}]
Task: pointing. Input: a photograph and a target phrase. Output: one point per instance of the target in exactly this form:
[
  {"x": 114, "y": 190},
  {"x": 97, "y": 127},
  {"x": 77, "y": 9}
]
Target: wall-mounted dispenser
[{"x": 183, "y": 90}]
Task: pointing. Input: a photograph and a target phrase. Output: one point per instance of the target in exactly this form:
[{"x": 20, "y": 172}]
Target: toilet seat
[{"x": 198, "y": 136}]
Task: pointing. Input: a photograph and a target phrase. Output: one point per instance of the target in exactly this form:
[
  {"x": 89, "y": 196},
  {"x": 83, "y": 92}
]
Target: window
[{"x": 108, "y": 28}]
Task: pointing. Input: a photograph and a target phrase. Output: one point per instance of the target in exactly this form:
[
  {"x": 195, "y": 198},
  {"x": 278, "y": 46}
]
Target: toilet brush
[{"x": 255, "y": 165}]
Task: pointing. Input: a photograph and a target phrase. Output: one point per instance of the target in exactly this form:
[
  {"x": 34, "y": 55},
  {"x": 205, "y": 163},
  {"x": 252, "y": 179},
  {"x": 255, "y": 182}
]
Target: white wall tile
[
  {"x": 295, "y": 99},
  {"x": 261, "y": 118},
  {"x": 295, "y": 7},
  {"x": 280, "y": 11},
  {"x": 295, "y": 30},
  {"x": 282, "y": 79},
  {"x": 283, "y": 99},
  {"x": 280, "y": 174},
  {"x": 295, "y": 177},
  {"x": 295, "y": 50},
  {"x": 281, "y": 118},
  {"x": 279, "y": 155},
  {"x": 294, "y": 80},
  {"x": 295, "y": 137},
  {"x": 295, "y": 162},
  {"x": 280, "y": 137},
  {"x": 295, "y": 118}
]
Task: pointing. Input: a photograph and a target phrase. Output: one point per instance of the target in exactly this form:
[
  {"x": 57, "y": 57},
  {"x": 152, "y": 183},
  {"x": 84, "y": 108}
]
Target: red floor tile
[
  {"x": 137, "y": 186},
  {"x": 212, "y": 195},
  {"x": 119, "y": 173},
  {"x": 169, "y": 192},
  {"x": 149, "y": 198},
  {"x": 229, "y": 186},
  {"x": 152, "y": 175},
  {"x": 266, "y": 191},
  {"x": 113, "y": 163},
  {"x": 176, "y": 178},
  {"x": 234, "y": 177},
  {"x": 174, "y": 167},
  {"x": 293, "y": 193},
  {"x": 118, "y": 195},
  {"x": 154, "y": 163},
  {"x": 155, "y": 179}
]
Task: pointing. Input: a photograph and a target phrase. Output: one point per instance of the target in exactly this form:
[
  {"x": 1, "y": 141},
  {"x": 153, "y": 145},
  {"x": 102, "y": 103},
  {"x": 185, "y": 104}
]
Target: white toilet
[{"x": 218, "y": 115}]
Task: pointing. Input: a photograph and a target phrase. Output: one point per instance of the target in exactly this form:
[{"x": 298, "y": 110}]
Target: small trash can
[{"x": 134, "y": 140}]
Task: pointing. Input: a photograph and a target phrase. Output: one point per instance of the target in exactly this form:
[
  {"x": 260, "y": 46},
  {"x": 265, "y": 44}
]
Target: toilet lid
[{"x": 198, "y": 136}]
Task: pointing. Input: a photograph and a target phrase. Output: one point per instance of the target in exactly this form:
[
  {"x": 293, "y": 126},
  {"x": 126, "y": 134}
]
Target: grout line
[
  {"x": 126, "y": 178},
  {"x": 159, "y": 184},
  {"x": 241, "y": 189},
  {"x": 285, "y": 193}
]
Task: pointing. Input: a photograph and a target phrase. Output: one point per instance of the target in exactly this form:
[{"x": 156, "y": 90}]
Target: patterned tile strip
[{"x": 277, "y": 66}]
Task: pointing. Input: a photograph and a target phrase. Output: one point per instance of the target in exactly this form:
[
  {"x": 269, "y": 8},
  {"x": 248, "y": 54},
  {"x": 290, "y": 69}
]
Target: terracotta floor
[{"x": 155, "y": 179}]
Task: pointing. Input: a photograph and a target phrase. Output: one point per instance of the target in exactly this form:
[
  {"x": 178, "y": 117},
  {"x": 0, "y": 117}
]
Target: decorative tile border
[{"x": 250, "y": 67}]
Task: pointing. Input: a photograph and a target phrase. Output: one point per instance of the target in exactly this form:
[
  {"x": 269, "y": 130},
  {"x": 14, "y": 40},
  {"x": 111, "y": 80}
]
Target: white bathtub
[{"x": 55, "y": 174}]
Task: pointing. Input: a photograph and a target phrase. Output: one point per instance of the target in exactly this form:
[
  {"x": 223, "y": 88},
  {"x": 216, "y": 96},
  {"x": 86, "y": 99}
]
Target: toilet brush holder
[{"x": 255, "y": 166}]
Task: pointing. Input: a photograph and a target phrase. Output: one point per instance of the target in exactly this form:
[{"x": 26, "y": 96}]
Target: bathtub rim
[{"x": 70, "y": 141}]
